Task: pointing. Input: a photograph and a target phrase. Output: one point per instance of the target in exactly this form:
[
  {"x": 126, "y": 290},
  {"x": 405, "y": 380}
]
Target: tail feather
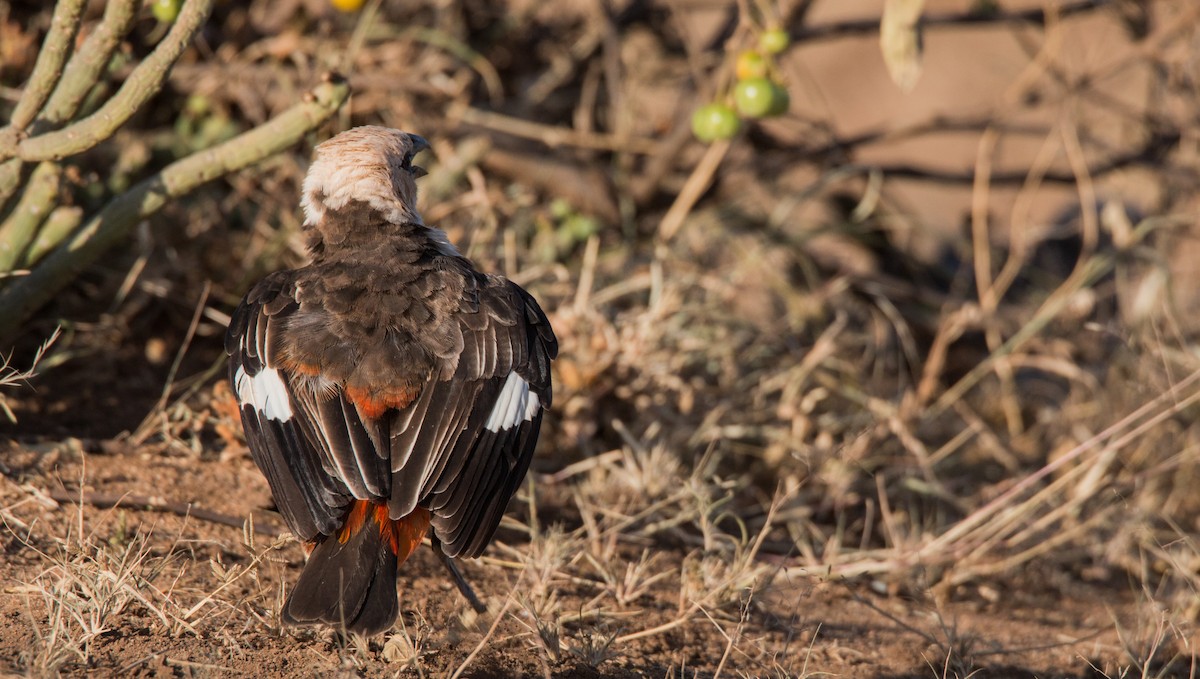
[{"x": 349, "y": 581}]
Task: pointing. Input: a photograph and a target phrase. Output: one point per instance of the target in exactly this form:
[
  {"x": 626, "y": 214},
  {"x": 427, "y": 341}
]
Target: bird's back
[{"x": 380, "y": 313}]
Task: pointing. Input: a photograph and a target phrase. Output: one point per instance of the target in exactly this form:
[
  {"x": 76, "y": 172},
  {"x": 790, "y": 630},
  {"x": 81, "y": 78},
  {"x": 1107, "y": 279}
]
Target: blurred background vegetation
[{"x": 940, "y": 303}]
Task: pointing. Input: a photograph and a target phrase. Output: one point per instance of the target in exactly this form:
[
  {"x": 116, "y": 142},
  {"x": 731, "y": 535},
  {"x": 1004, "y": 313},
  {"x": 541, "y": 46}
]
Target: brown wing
[
  {"x": 279, "y": 432},
  {"x": 464, "y": 446}
]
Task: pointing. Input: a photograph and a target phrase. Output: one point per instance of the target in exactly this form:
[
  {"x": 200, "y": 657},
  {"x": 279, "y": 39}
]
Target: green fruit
[
  {"x": 579, "y": 227},
  {"x": 560, "y": 208},
  {"x": 197, "y": 105},
  {"x": 774, "y": 41},
  {"x": 754, "y": 97},
  {"x": 714, "y": 121},
  {"x": 780, "y": 100},
  {"x": 166, "y": 10},
  {"x": 750, "y": 64}
]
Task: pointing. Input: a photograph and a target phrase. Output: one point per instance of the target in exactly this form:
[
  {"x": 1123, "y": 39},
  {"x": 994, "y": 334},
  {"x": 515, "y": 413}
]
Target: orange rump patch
[
  {"x": 402, "y": 535},
  {"x": 306, "y": 369},
  {"x": 372, "y": 403},
  {"x": 355, "y": 519},
  {"x": 407, "y": 533}
]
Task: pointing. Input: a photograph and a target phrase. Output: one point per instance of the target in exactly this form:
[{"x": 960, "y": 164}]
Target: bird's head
[{"x": 369, "y": 164}]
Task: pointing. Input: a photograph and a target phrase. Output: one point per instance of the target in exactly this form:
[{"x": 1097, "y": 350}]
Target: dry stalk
[
  {"x": 458, "y": 672},
  {"x": 986, "y": 524},
  {"x": 695, "y": 186},
  {"x": 552, "y": 136},
  {"x": 10, "y": 376}
]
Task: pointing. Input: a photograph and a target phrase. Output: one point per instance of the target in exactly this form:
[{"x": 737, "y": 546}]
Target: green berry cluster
[{"x": 755, "y": 95}]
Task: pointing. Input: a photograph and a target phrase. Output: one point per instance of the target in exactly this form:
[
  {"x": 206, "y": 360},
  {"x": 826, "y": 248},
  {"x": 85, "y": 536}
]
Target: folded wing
[{"x": 280, "y": 437}]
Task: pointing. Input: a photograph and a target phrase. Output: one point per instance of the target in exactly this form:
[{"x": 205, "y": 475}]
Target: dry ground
[
  {"x": 855, "y": 412},
  {"x": 133, "y": 591}
]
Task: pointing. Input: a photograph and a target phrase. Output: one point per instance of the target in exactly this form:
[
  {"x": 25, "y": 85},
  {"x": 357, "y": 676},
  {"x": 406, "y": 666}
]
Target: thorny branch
[
  {"x": 48, "y": 70},
  {"x": 116, "y": 220},
  {"x": 142, "y": 84}
]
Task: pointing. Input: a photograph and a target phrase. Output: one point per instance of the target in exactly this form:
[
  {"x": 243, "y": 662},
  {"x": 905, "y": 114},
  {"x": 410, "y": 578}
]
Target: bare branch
[
  {"x": 1153, "y": 152},
  {"x": 842, "y": 29},
  {"x": 156, "y": 504}
]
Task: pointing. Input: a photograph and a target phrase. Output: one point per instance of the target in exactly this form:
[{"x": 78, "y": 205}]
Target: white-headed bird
[{"x": 388, "y": 389}]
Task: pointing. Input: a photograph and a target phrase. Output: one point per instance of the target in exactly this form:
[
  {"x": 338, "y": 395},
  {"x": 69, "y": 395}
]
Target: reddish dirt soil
[{"x": 1031, "y": 625}]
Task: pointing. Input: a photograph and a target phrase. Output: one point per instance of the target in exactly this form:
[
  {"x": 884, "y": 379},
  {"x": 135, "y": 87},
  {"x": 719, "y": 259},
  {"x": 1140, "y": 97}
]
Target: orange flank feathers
[
  {"x": 372, "y": 403},
  {"x": 306, "y": 369},
  {"x": 403, "y": 535}
]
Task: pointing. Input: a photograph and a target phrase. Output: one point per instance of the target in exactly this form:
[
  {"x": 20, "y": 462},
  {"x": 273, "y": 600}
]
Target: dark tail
[{"x": 349, "y": 581}]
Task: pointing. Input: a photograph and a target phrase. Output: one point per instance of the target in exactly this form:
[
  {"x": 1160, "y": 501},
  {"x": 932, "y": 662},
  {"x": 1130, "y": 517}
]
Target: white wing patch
[
  {"x": 514, "y": 404},
  {"x": 266, "y": 392}
]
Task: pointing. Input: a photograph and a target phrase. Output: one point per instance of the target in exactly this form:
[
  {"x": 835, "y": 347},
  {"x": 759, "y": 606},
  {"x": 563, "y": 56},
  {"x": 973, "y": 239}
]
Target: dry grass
[
  {"x": 98, "y": 577},
  {"x": 12, "y": 377},
  {"x": 775, "y": 421}
]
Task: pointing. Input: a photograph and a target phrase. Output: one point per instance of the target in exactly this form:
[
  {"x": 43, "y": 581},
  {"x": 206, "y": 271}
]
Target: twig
[
  {"x": 553, "y": 136},
  {"x": 587, "y": 274},
  {"x": 864, "y": 26},
  {"x": 979, "y": 516},
  {"x": 483, "y": 642},
  {"x": 695, "y": 187},
  {"x": 563, "y": 67},
  {"x": 659, "y": 629},
  {"x": 10, "y": 376},
  {"x": 1018, "y": 236},
  {"x": 731, "y": 640},
  {"x": 929, "y": 638},
  {"x": 143, "y": 429},
  {"x": 1153, "y": 152},
  {"x": 586, "y": 187},
  {"x": 114, "y": 222},
  {"x": 156, "y": 504},
  {"x": 1086, "y": 273},
  {"x": 440, "y": 39},
  {"x": 981, "y": 243}
]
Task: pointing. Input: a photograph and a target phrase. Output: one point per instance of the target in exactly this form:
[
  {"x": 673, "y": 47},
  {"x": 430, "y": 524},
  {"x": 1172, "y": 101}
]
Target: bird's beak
[{"x": 419, "y": 144}]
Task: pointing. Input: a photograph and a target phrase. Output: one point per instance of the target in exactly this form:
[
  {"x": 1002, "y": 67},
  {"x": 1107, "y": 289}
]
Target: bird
[{"x": 388, "y": 389}]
